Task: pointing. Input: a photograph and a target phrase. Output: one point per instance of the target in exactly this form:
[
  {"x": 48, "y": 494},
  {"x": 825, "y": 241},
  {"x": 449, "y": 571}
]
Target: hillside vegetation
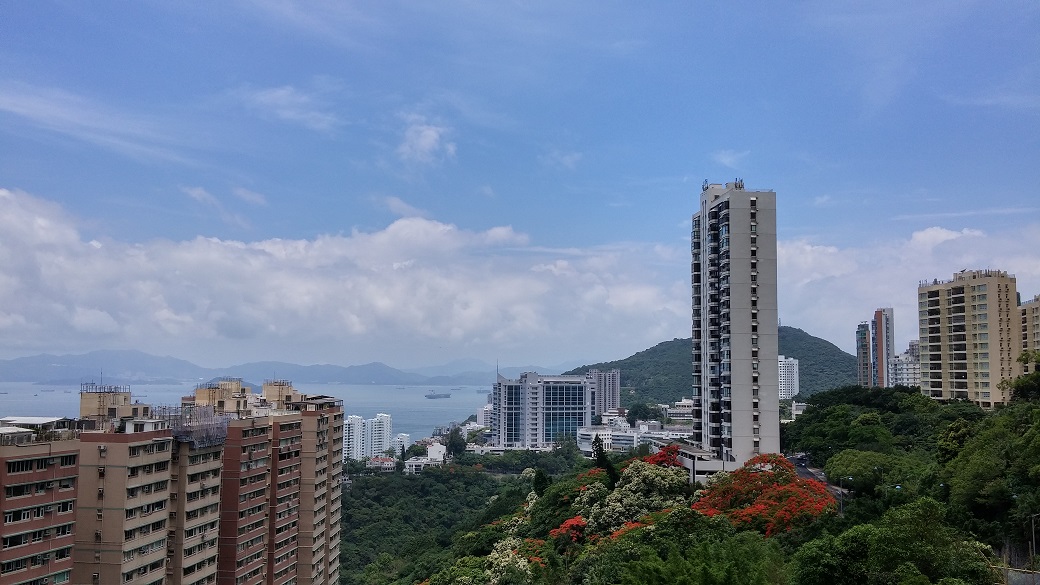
[{"x": 663, "y": 373}]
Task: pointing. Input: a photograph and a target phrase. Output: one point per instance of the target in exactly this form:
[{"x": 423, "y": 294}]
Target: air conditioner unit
[
  {"x": 101, "y": 471},
  {"x": 47, "y": 509},
  {"x": 96, "y": 577},
  {"x": 50, "y": 485}
]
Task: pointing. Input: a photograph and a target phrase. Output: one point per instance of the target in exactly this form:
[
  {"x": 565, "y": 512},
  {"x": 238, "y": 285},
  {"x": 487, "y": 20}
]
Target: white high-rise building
[
  {"x": 788, "y": 377},
  {"x": 354, "y": 438},
  {"x": 531, "y": 412},
  {"x": 378, "y": 435},
  {"x": 735, "y": 373},
  {"x": 367, "y": 437}
]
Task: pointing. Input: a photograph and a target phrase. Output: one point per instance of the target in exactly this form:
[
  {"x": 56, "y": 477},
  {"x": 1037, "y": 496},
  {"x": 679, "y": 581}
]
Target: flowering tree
[{"x": 766, "y": 494}]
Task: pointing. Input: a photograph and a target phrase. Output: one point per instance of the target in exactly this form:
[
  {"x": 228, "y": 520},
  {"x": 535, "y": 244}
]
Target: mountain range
[{"x": 660, "y": 373}]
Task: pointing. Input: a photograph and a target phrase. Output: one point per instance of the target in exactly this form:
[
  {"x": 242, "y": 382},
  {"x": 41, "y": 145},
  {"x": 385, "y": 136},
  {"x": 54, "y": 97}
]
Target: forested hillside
[{"x": 662, "y": 373}]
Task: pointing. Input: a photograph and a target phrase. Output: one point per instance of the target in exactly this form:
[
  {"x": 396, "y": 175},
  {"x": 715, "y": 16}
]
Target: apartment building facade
[
  {"x": 864, "y": 367},
  {"x": 882, "y": 347},
  {"x": 970, "y": 336},
  {"x": 735, "y": 367},
  {"x": 39, "y": 475},
  {"x": 1029, "y": 319},
  {"x": 532, "y": 411},
  {"x": 788, "y": 378}
]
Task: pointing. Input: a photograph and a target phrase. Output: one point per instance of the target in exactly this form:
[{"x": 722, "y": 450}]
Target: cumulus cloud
[
  {"x": 395, "y": 294},
  {"x": 425, "y": 142},
  {"x": 827, "y": 290}
]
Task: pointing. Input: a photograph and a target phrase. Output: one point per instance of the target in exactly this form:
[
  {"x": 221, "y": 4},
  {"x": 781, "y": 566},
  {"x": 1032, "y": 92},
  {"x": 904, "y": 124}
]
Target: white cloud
[
  {"x": 66, "y": 113},
  {"x": 397, "y": 293},
  {"x": 730, "y": 158},
  {"x": 827, "y": 290},
  {"x": 425, "y": 142},
  {"x": 290, "y": 104}
]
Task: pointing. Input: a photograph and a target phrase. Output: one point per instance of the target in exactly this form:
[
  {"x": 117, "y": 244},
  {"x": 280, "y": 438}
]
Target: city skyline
[{"x": 417, "y": 184}]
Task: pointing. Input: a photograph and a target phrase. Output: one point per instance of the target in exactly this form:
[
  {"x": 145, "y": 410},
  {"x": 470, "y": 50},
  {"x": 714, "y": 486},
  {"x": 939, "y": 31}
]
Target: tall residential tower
[
  {"x": 970, "y": 336},
  {"x": 735, "y": 376}
]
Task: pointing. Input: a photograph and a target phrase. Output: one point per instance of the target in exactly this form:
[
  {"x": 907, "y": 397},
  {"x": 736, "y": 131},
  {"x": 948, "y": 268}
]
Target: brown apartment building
[{"x": 39, "y": 472}]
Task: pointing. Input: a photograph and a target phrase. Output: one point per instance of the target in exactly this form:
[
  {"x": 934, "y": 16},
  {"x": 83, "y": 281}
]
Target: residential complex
[
  {"x": 970, "y": 336},
  {"x": 735, "y": 374},
  {"x": 532, "y": 411},
  {"x": 230, "y": 486},
  {"x": 906, "y": 367},
  {"x": 365, "y": 438},
  {"x": 39, "y": 472},
  {"x": 787, "y": 377},
  {"x": 608, "y": 390}
]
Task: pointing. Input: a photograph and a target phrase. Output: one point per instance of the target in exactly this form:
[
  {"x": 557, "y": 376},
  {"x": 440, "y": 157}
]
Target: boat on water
[{"x": 438, "y": 394}]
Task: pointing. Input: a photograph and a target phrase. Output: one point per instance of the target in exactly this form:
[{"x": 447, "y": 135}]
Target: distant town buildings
[
  {"x": 788, "y": 377},
  {"x": 970, "y": 336},
  {"x": 733, "y": 274},
  {"x": 620, "y": 437}
]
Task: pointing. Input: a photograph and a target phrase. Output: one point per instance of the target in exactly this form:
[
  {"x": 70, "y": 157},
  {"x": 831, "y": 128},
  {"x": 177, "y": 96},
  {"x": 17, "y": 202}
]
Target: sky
[{"x": 419, "y": 182}]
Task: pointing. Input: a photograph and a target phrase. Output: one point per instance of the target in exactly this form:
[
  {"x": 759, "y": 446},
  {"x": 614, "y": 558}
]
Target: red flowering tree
[
  {"x": 667, "y": 457},
  {"x": 766, "y": 494}
]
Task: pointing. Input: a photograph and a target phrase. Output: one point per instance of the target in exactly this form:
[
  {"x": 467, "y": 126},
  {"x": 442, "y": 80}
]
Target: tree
[
  {"x": 642, "y": 411},
  {"x": 540, "y": 483},
  {"x": 599, "y": 455},
  {"x": 456, "y": 442},
  {"x": 766, "y": 494}
]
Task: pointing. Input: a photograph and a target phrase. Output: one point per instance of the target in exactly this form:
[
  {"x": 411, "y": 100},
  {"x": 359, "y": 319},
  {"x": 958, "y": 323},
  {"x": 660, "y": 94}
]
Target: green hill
[{"x": 662, "y": 373}]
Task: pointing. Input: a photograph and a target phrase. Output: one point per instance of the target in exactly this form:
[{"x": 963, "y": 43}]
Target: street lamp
[
  {"x": 841, "y": 493},
  {"x": 1032, "y": 535}
]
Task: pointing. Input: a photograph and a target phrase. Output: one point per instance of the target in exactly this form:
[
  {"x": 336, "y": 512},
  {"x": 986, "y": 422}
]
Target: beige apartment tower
[
  {"x": 735, "y": 367},
  {"x": 124, "y": 498},
  {"x": 969, "y": 336}
]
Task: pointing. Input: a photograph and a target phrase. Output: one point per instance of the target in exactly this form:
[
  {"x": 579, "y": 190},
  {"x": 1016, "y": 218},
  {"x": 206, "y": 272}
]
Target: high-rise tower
[
  {"x": 882, "y": 347},
  {"x": 735, "y": 376},
  {"x": 863, "y": 367}
]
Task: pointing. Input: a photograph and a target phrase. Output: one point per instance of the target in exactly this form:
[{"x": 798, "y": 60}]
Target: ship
[{"x": 432, "y": 394}]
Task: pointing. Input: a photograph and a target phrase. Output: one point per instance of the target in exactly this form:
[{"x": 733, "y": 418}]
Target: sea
[{"x": 410, "y": 411}]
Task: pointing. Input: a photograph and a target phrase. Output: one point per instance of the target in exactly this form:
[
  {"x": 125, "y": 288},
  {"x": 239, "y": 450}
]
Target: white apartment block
[
  {"x": 371, "y": 437},
  {"x": 1029, "y": 315},
  {"x": 788, "y": 377},
  {"x": 906, "y": 367},
  {"x": 532, "y": 411},
  {"x": 733, "y": 273}
]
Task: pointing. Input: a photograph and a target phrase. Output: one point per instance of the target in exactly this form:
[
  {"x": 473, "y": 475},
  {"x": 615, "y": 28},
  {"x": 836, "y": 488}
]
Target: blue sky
[{"x": 418, "y": 182}]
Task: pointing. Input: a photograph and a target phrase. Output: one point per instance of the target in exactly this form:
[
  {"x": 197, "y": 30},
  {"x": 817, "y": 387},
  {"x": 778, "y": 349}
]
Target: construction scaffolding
[{"x": 201, "y": 426}]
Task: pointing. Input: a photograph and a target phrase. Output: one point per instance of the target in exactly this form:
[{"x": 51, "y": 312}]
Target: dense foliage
[
  {"x": 927, "y": 493},
  {"x": 399, "y": 528}
]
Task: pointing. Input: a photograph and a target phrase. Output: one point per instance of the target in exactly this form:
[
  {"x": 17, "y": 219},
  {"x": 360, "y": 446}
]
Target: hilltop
[{"x": 662, "y": 373}]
